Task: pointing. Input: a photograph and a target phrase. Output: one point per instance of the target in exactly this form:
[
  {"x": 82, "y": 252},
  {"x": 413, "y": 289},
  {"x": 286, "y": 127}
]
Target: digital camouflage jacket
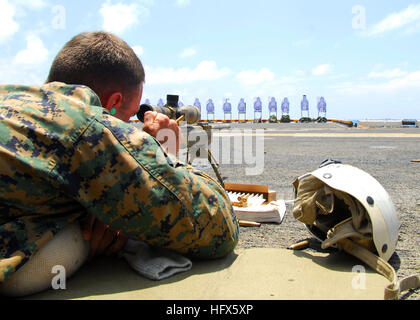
[{"x": 62, "y": 156}]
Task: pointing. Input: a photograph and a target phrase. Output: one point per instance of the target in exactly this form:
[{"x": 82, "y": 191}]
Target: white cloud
[
  {"x": 19, "y": 74},
  {"x": 34, "y": 54},
  {"x": 411, "y": 80},
  {"x": 120, "y": 17},
  {"x": 188, "y": 52},
  {"x": 206, "y": 70},
  {"x": 252, "y": 77},
  {"x": 28, "y": 66},
  {"x": 299, "y": 72},
  {"x": 397, "y": 20},
  {"x": 321, "y": 69},
  {"x": 8, "y": 26},
  {"x": 388, "y": 74},
  {"x": 34, "y": 4},
  {"x": 138, "y": 50},
  {"x": 182, "y": 3}
]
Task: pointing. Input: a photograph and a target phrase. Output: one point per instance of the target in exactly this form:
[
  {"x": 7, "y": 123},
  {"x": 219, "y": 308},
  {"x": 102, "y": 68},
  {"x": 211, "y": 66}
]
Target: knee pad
[{"x": 67, "y": 249}]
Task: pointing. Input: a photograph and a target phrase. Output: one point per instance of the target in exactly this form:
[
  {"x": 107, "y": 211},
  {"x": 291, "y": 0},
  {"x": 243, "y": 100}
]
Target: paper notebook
[{"x": 273, "y": 212}]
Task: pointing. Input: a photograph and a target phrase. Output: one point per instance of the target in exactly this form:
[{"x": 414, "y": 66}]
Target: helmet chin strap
[
  {"x": 393, "y": 290},
  {"x": 342, "y": 221}
]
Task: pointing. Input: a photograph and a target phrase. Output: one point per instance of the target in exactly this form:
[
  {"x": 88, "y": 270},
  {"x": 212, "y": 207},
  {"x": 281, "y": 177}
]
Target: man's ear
[{"x": 113, "y": 101}]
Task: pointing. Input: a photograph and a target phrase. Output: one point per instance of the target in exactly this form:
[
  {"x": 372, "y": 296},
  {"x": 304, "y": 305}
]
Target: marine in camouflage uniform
[{"x": 63, "y": 156}]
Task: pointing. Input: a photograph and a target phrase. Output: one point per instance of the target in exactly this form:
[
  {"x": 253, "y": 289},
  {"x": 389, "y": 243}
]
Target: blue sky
[{"x": 362, "y": 56}]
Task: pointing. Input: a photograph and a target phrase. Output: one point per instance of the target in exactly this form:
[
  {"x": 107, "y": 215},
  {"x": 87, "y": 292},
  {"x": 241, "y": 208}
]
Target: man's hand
[
  {"x": 102, "y": 238},
  {"x": 155, "y": 122}
]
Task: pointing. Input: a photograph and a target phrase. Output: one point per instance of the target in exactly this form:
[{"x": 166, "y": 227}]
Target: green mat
[{"x": 247, "y": 274}]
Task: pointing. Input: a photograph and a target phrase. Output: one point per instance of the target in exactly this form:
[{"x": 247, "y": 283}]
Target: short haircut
[{"x": 99, "y": 60}]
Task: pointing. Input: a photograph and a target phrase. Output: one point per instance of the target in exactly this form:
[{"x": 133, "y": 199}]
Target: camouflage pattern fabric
[{"x": 62, "y": 156}]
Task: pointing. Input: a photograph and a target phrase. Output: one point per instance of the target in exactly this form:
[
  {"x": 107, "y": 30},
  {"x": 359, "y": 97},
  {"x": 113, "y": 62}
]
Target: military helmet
[{"x": 339, "y": 201}]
